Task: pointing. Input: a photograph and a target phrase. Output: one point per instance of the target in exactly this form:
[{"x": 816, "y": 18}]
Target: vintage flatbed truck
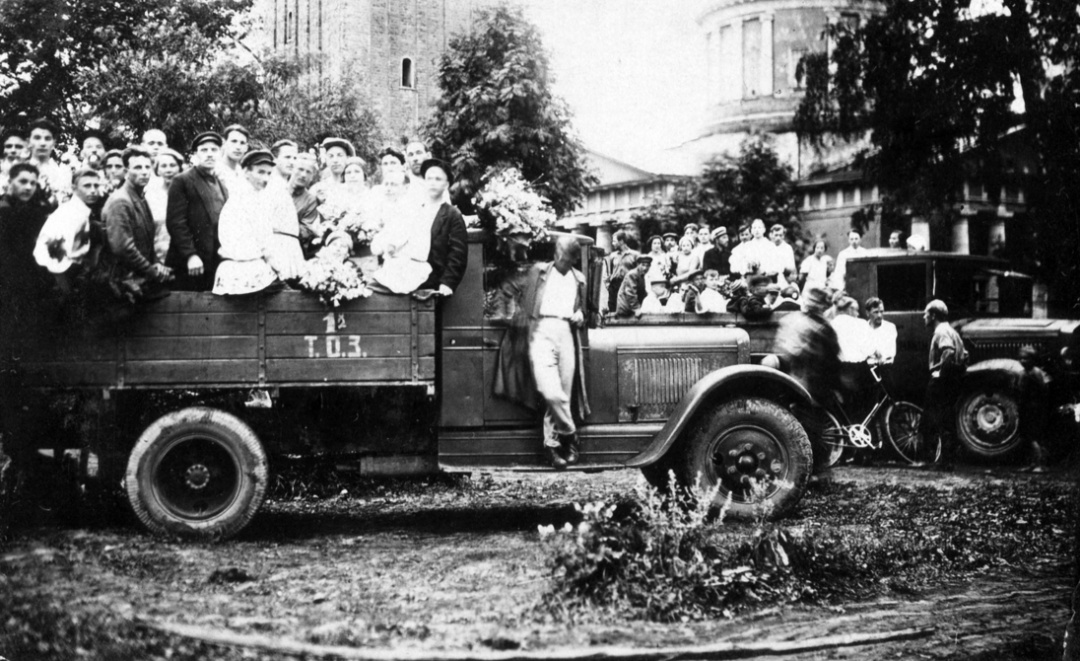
[{"x": 189, "y": 401}]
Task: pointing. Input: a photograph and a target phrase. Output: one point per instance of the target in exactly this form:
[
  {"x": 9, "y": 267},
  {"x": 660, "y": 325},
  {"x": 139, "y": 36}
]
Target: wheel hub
[
  {"x": 197, "y": 476},
  {"x": 990, "y": 417},
  {"x": 743, "y": 455}
]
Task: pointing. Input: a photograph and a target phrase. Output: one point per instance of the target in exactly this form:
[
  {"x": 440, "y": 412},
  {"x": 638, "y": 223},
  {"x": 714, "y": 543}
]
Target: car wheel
[
  {"x": 197, "y": 473},
  {"x": 988, "y": 423},
  {"x": 744, "y": 441}
]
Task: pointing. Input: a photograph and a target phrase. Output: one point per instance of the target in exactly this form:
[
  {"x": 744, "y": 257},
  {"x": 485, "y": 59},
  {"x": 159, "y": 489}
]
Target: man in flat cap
[
  {"x": 195, "y": 200},
  {"x": 633, "y": 288},
  {"x": 718, "y": 257}
]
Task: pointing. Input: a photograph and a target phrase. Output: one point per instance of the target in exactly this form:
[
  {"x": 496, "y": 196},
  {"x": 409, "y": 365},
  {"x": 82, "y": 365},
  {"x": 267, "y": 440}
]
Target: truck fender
[
  {"x": 1000, "y": 371},
  {"x": 742, "y": 379}
]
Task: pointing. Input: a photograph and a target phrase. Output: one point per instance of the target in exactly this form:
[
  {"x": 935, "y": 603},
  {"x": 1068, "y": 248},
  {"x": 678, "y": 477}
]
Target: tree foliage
[
  {"x": 731, "y": 190},
  {"x": 293, "y": 105},
  {"x": 936, "y": 88},
  {"x": 49, "y": 44},
  {"x": 497, "y": 108},
  {"x": 180, "y": 66}
]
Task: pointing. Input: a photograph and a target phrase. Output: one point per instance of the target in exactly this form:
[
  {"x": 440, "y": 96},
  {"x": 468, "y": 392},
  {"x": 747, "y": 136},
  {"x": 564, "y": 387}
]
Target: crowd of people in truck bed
[{"x": 117, "y": 227}]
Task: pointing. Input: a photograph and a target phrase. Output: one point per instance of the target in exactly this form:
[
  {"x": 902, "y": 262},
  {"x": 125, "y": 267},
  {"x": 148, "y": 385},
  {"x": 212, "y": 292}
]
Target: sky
[{"x": 630, "y": 70}]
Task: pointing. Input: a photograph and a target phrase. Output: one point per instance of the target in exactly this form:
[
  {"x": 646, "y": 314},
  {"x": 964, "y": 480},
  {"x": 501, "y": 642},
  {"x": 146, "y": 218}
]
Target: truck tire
[
  {"x": 198, "y": 473},
  {"x": 988, "y": 422},
  {"x": 749, "y": 438}
]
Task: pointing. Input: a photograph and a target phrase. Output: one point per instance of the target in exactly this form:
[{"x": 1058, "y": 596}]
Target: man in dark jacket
[
  {"x": 716, "y": 258},
  {"x": 449, "y": 253},
  {"x": 130, "y": 225},
  {"x": 633, "y": 289},
  {"x": 24, "y": 286},
  {"x": 541, "y": 354},
  {"x": 195, "y": 200}
]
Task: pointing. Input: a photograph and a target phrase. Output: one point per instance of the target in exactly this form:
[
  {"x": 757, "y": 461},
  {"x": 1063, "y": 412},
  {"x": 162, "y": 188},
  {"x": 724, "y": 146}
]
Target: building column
[
  {"x": 766, "y": 83},
  {"x": 736, "y": 67},
  {"x": 604, "y": 232},
  {"x": 961, "y": 243}
]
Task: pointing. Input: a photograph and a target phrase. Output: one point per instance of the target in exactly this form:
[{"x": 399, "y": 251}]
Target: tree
[
  {"x": 731, "y": 190},
  {"x": 497, "y": 109},
  {"x": 934, "y": 85},
  {"x": 49, "y": 44},
  {"x": 291, "y": 104}
]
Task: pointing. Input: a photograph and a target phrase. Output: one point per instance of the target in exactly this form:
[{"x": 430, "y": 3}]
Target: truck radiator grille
[
  {"x": 650, "y": 387},
  {"x": 986, "y": 350}
]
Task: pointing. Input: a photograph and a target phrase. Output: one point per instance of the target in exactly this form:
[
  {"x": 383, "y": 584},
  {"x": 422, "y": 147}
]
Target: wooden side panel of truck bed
[{"x": 196, "y": 339}]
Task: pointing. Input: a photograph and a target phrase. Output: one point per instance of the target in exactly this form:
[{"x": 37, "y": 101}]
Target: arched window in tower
[{"x": 408, "y": 78}]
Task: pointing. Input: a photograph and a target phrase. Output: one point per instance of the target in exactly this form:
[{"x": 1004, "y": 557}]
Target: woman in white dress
[
  {"x": 404, "y": 241},
  {"x": 252, "y": 254}
]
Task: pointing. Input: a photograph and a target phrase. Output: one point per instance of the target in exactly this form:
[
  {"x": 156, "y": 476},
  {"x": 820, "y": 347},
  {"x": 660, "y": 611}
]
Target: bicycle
[{"x": 899, "y": 425}]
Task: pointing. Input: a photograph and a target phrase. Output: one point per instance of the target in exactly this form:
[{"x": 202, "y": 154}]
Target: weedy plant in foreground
[{"x": 667, "y": 555}]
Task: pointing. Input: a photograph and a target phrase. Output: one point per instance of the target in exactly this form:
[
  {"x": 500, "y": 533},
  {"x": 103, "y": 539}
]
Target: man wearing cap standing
[
  {"x": 130, "y": 225},
  {"x": 632, "y": 289},
  {"x": 92, "y": 150},
  {"x": 948, "y": 362},
  {"x": 195, "y": 200},
  {"x": 335, "y": 152},
  {"x": 671, "y": 243},
  {"x": 718, "y": 257}
]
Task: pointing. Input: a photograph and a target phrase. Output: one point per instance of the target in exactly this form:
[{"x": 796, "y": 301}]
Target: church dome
[{"x": 752, "y": 50}]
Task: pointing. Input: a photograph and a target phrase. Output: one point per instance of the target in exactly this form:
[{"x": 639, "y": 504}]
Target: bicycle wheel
[
  {"x": 827, "y": 436},
  {"x": 901, "y": 428}
]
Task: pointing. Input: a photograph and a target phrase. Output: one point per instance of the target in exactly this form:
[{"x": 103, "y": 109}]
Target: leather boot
[
  {"x": 571, "y": 447},
  {"x": 554, "y": 455}
]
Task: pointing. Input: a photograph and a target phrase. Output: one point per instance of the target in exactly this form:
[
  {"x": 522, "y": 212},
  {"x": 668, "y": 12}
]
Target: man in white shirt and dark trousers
[
  {"x": 853, "y": 335},
  {"x": 549, "y": 316}
]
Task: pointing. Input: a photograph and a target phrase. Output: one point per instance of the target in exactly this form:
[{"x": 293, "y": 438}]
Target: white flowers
[
  {"x": 515, "y": 205},
  {"x": 332, "y": 277}
]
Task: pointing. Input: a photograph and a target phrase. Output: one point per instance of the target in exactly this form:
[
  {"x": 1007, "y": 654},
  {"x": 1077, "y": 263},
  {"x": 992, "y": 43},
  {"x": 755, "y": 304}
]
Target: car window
[
  {"x": 902, "y": 286},
  {"x": 975, "y": 289}
]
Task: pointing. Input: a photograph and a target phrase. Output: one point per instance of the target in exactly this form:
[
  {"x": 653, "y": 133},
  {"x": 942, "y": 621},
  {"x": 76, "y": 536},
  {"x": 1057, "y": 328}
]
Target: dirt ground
[{"x": 458, "y": 565}]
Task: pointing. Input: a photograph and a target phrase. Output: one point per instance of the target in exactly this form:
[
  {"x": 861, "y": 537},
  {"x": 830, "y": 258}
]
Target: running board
[{"x": 602, "y": 447}]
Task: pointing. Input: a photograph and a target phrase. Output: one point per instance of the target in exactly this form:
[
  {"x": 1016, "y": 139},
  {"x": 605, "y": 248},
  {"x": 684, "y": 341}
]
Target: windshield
[{"x": 974, "y": 289}]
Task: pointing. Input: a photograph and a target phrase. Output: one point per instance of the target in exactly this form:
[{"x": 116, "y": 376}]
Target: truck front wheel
[
  {"x": 988, "y": 423},
  {"x": 747, "y": 441},
  {"x": 198, "y": 473}
]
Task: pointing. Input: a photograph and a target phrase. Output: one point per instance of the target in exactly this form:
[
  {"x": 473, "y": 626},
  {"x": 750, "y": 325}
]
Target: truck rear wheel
[
  {"x": 198, "y": 473},
  {"x": 988, "y": 422},
  {"x": 745, "y": 440}
]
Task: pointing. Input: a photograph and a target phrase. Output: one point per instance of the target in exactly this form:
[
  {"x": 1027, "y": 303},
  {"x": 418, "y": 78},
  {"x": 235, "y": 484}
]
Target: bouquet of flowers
[
  {"x": 338, "y": 220},
  {"x": 511, "y": 208},
  {"x": 333, "y": 278}
]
